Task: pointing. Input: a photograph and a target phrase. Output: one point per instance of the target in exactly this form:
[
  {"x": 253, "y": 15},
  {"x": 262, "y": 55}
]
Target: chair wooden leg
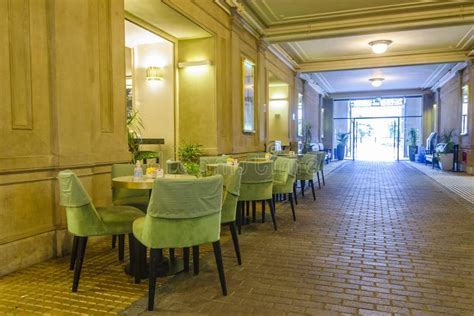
[
  {"x": 294, "y": 193},
  {"x": 155, "y": 257},
  {"x": 73, "y": 253},
  {"x": 114, "y": 240},
  {"x": 322, "y": 174},
  {"x": 81, "y": 250},
  {"x": 131, "y": 252},
  {"x": 235, "y": 240},
  {"x": 239, "y": 216},
  {"x": 254, "y": 211},
  {"x": 290, "y": 197},
  {"x": 121, "y": 246},
  {"x": 263, "y": 211},
  {"x": 303, "y": 184},
  {"x": 172, "y": 256},
  {"x": 319, "y": 182},
  {"x": 272, "y": 213},
  {"x": 186, "y": 259},
  {"x": 274, "y": 202},
  {"x": 196, "y": 260},
  {"x": 139, "y": 258},
  {"x": 220, "y": 266},
  {"x": 247, "y": 208},
  {"x": 311, "y": 183}
]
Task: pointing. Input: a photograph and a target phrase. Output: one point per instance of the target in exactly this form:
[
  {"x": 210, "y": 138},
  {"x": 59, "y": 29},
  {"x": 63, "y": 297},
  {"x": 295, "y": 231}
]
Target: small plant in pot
[
  {"x": 189, "y": 155},
  {"x": 342, "y": 139},
  {"x": 445, "y": 157},
  {"x": 412, "y": 147}
]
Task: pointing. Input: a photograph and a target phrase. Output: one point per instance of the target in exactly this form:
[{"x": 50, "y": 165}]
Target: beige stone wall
[
  {"x": 232, "y": 43},
  {"x": 63, "y": 107},
  {"x": 450, "y": 102},
  {"x": 312, "y": 110}
]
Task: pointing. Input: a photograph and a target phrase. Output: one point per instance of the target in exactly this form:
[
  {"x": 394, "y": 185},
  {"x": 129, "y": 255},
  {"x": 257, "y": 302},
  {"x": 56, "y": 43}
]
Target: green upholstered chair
[
  {"x": 256, "y": 185},
  {"x": 182, "y": 213},
  {"x": 175, "y": 167},
  {"x": 284, "y": 177},
  {"x": 204, "y": 161},
  {"x": 135, "y": 198},
  {"x": 320, "y": 169},
  {"x": 250, "y": 156},
  {"x": 232, "y": 178},
  {"x": 307, "y": 167},
  {"x": 84, "y": 220}
]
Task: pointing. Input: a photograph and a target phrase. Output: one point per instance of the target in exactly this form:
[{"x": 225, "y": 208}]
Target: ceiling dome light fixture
[
  {"x": 380, "y": 47},
  {"x": 376, "y": 82}
]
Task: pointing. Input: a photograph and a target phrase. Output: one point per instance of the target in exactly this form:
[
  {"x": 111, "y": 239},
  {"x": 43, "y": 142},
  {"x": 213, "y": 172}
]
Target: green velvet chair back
[
  {"x": 82, "y": 217},
  {"x": 257, "y": 181},
  {"x": 255, "y": 155},
  {"x": 127, "y": 196},
  {"x": 284, "y": 175},
  {"x": 204, "y": 161},
  {"x": 307, "y": 166},
  {"x": 322, "y": 157},
  {"x": 175, "y": 167},
  {"x": 182, "y": 213},
  {"x": 232, "y": 178}
]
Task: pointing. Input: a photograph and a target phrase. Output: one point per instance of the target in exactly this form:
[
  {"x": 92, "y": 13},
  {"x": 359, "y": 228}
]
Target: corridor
[{"x": 380, "y": 237}]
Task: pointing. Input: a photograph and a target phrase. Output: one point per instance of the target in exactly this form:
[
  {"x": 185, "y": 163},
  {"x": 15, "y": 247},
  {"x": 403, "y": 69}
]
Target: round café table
[{"x": 168, "y": 266}]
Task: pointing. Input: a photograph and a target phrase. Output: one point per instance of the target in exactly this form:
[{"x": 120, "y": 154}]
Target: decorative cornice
[
  {"x": 386, "y": 61},
  {"x": 449, "y": 75},
  {"x": 379, "y": 93},
  {"x": 284, "y": 57},
  {"x": 313, "y": 84},
  {"x": 435, "y": 75},
  {"x": 321, "y": 80},
  {"x": 457, "y": 14}
]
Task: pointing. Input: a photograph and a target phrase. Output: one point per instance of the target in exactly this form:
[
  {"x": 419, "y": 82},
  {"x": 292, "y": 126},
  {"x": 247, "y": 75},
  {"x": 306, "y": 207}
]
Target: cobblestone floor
[{"x": 381, "y": 238}]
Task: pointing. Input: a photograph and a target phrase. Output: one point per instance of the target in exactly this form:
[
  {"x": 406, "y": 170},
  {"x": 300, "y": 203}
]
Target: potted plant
[
  {"x": 445, "y": 157},
  {"x": 341, "y": 139},
  {"x": 189, "y": 155},
  {"x": 134, "y": 128},
  {"x": 412, "y": 147}
]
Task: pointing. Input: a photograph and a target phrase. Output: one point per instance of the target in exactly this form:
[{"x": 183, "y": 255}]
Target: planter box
[{"x": 446, "y": 161}]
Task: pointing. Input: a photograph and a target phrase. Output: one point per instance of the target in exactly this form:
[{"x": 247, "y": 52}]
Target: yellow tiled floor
[{"x": 46, "y": 287}]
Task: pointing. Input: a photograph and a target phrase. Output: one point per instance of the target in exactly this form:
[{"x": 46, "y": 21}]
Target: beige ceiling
[
  {"x": 407, "y": 42},
  {"x": 164, "y": 18},
  {"x": 274, "y": 12}
]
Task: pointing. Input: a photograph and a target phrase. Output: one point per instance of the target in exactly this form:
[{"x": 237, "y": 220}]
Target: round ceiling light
[
  {"x": 376, "y": 82},
  {"x": 380, "y": 47}
]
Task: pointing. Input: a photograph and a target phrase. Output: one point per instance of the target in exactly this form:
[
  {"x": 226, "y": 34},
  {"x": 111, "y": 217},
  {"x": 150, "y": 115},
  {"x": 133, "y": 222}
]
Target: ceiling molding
[
  {"x": 385, "y": 61},
  {"x": 435, "y": 75},
  {"x": 448, "y": 76},
  {"x": 321, "y": 80},
  {"x": 455, "y": 15},
  {"x": 380, "y": 93},
  {"x": 313, "y": 84},
  {"x": 281, "y": 54},
  {"x": 467, "y": 41}
]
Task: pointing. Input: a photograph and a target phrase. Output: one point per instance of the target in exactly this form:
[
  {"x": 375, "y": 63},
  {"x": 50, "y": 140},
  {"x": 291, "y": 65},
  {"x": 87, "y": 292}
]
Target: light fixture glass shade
[
  {"x": 154, "y": 73},
  {"x": 376, "y": 82},
  {"x": 380, "y": 47}
]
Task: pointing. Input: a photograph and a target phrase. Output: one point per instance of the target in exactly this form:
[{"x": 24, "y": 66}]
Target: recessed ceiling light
[
  {"x": 376, "y": 82},
  {"x": 380, "y": 47}
]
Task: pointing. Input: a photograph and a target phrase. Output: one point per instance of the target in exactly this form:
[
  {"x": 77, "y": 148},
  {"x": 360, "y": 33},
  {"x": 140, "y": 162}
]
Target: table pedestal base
[{"x": 163, "y": 269}]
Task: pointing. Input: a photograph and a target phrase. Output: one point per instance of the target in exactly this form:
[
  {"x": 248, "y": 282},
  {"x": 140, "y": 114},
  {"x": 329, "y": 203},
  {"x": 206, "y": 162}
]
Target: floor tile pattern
[{"x": 381, "y": 238}]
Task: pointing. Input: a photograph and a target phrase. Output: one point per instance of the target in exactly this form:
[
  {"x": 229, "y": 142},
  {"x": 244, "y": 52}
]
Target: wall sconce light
[
  {"x": 154, "y": 73},
  {"x": 185, "y": 64}
]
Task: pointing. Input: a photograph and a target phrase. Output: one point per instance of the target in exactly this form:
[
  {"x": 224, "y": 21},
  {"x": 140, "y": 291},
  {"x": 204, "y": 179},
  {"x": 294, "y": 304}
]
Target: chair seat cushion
[{"x": 119, "y": 219}]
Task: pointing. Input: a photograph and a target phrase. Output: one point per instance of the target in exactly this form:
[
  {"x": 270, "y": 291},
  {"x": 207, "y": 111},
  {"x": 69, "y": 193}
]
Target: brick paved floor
[{"x": 381, "y": 237}]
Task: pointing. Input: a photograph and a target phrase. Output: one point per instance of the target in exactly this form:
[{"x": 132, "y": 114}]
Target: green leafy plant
[
  {"x": 447, "y": 138},
  {"x": 189, "y": 155},
  {"x": 134, "y": 128},
  {"x": 342, "y": 138},
  {"x": 307, "y": 138},
  {"x": 412, "y": 137}
]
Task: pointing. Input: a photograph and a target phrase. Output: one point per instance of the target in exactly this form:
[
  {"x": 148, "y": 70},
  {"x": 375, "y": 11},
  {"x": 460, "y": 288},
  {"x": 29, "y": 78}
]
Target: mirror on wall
[{"x": 278, "y": 110}]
